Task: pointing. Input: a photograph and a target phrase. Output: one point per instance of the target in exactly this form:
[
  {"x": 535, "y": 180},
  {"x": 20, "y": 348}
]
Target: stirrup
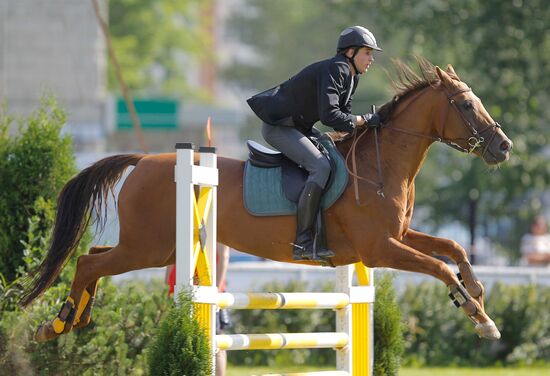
[
  {"x": 299, "y": 252},
  {"x": 313, "y": 255}
]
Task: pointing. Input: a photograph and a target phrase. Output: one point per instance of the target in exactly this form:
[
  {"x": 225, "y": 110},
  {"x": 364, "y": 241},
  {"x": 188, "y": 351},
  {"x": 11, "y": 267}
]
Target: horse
[{"x": 433, "y": 106}]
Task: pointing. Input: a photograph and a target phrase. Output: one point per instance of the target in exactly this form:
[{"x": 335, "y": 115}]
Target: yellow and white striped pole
[
  {"x": 282, "y": 341},
  {"x": 282, "y": 300}
]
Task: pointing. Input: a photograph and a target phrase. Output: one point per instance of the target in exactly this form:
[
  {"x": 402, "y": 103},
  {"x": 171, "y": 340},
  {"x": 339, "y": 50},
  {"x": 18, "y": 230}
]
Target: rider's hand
[{"x": 371, "y": 120}]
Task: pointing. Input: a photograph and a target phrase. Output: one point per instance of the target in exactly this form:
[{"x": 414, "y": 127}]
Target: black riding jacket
[{"x": 320, "y": 92}]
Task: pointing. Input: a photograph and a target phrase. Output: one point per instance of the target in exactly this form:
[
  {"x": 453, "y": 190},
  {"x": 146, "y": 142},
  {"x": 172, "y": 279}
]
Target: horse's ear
[
  {"x": 452, "y": 72},
  {"x": 444, "y": 77}
]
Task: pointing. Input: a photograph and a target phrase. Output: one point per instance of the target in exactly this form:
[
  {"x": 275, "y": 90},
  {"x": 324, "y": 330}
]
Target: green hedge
[
  {"x": 34, "y": 164},
  {"x": 180, "y": 347},
  {"x": 124, "y": 322},
  {"x": 388, "y": 328},
  {"x": 437, "y": 334}
]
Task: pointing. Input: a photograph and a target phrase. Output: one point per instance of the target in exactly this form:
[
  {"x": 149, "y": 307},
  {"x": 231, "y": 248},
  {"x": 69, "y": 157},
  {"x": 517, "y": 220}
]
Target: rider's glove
[{"x": 371, "y": 120}]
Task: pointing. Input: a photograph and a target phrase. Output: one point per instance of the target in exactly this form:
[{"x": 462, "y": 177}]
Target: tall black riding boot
[
  {"x": 320, "y": 236},
  {"x": 308, "y": 207}
]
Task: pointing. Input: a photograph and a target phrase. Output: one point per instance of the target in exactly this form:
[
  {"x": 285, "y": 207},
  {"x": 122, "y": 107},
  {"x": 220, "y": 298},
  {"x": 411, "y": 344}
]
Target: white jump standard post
[{"x": 196, "y": 231}]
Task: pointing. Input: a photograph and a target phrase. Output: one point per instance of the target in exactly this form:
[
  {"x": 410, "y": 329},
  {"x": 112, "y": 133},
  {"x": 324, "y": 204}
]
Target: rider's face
[{"x": 364, "y": 59}]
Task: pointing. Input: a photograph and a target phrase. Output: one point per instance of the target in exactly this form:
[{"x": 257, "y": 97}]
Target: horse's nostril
[{"x": 505, "y": 146}]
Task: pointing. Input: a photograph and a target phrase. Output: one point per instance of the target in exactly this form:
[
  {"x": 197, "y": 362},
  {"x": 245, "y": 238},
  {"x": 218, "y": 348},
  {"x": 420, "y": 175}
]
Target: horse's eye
[{"x": 467, "y": 105}]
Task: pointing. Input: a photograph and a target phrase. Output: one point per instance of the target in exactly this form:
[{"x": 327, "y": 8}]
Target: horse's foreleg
[
  {"x": 434, "y": 246},
  {"x": 397, "y": 255}
]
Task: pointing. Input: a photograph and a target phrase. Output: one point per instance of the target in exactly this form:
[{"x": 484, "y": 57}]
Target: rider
[{"x": 321, "y": 91}]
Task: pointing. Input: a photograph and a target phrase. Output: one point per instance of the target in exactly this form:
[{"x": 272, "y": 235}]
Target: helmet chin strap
[{"x": 352, "y": 61}]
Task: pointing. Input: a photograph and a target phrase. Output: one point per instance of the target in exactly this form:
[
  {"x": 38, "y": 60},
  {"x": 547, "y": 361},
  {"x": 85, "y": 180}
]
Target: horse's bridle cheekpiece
[{"x": 476, "y": 139}]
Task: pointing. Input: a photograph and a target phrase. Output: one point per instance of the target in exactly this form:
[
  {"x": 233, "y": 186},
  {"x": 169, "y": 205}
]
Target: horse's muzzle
[{"x": 498, "y": 151}]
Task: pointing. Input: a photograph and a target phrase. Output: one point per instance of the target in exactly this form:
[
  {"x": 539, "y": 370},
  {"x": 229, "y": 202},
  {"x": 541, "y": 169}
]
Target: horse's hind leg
[
  {"x": 434, "y": 246},
  {"x": 89, "y": 269},
  {"x": 397, "y": 255},
  {"x": 84, "y": 312}
]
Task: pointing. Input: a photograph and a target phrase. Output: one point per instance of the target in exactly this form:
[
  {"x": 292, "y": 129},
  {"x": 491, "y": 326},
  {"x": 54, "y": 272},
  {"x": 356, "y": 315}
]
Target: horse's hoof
[
  {"x": 488, "y": 330},
  {"x": 45, "y": 332}
]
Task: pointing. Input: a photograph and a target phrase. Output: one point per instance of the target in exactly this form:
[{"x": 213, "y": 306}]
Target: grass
[
  {"x": 474, "y": 371},
  {"x": 242, "y": 371},
  {"x": 247, "y": 371}
]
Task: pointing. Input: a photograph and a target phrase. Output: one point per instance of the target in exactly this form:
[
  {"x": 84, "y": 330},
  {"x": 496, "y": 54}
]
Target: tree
[{"x": 155, "y": 40}]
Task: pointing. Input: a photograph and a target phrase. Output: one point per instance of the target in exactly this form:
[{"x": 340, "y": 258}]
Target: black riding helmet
[{"x": 356, "y": 37}]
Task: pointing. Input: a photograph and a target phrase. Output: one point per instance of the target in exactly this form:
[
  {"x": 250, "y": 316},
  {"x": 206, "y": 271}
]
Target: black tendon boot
[{"x": 308, "y": 207}]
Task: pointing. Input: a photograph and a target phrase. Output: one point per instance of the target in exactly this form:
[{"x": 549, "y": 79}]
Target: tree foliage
[
  {"x": 124, "y": 321},
  {"x": 181, "y": 346},
  {"x": 439, "y": 334},
  {"x": 155, "y": 42},
  {"x": 34, "y": 165}
]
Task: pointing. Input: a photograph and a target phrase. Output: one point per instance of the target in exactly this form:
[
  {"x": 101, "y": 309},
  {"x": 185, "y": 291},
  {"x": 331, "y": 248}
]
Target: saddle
[
  {"x": 294, "y": 176},
  {"x": 273, "y": 182}
]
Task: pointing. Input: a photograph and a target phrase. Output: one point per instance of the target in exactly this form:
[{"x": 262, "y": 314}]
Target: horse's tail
[{"x": 86, "y": 191}]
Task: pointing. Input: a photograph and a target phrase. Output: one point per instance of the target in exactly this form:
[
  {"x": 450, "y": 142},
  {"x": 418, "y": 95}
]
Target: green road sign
[{"x": 158, "y": 113}]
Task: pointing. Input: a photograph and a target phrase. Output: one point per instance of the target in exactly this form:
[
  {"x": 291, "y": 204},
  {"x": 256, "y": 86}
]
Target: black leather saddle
[{"x": 293, "y": 176}]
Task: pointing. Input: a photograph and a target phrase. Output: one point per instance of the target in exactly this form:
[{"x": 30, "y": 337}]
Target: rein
[{"x": 473, "y": 142}]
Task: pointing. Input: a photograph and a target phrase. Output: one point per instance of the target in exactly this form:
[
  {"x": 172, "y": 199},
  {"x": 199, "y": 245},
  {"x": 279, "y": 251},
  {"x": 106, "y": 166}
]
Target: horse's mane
[{"x": 406, "y": 84}]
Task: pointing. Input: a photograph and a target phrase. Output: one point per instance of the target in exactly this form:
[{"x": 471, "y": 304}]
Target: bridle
[{"x": 474, "y": 141}]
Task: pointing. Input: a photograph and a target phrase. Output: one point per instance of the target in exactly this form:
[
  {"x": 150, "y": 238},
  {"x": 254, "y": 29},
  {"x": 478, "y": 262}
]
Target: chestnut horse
[{"x": 434, "y": 107}]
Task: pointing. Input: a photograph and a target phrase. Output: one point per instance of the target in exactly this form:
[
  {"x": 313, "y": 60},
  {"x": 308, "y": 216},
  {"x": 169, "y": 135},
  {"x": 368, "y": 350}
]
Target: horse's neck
[
  {"x": 401, "y": 154},
  {"x": 406, "y": 152}
]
